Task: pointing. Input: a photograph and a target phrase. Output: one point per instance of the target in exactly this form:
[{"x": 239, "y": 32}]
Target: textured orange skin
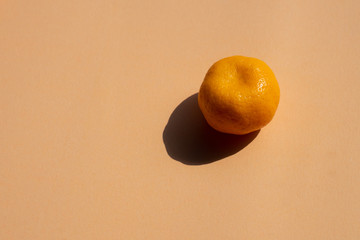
[{"x": 239, "y": 95}]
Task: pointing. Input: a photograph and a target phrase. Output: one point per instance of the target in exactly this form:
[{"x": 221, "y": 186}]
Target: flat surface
[{"x": 86, "y": 92}]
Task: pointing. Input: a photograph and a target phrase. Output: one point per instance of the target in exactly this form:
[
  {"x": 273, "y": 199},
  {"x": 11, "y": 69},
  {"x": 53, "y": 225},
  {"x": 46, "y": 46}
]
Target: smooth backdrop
[{"x": 98, "y": 120}]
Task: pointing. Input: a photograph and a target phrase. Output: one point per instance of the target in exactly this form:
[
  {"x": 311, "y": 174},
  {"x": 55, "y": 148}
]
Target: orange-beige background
[{"x": 86, "y": 92}]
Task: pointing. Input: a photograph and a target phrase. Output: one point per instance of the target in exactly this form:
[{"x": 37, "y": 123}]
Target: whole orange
[{"x": 239, "y": 95}]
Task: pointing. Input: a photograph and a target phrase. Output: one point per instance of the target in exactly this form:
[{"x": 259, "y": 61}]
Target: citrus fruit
[{"x": 239, "y": 95}]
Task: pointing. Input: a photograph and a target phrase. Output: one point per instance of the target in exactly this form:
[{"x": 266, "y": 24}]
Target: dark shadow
[{"x": 189, "y": 139}]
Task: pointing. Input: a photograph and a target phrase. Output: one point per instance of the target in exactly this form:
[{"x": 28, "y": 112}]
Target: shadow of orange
[{"x": 189, "y": 139}]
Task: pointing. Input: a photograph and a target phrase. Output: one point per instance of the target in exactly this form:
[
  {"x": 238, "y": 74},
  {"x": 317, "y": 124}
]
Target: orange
[{"x": 239, "y": 95}]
